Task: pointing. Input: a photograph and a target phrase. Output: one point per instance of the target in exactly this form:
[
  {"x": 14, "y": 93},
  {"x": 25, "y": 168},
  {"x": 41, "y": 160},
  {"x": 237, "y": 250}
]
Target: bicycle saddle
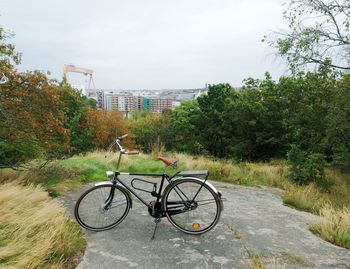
[{"x": 168, "y": 161}]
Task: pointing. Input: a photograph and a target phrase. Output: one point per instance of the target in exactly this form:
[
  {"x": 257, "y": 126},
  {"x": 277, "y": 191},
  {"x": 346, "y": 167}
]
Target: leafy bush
[
  {"x": 341, "y": 158},
  {"x": 151, "y": 132},
  {"x": 306, "y": 167}
]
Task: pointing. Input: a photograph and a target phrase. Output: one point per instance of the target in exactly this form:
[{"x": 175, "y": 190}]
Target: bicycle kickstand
[{"x": 155, "y": 228}]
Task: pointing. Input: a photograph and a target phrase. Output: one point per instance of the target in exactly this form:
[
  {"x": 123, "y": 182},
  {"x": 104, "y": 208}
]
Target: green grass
[
  {"x": 87, "y": 169},
  {"x": 255, "y": 261},
  {"x": 8, "y": 259},
  {"x": 295, "y": 260},
  {"x": 142, "y": 165},
  {"x": 313, "y": 198},
  {"x": 334, "y": 226},
  {"x": 62, "y": 176}
]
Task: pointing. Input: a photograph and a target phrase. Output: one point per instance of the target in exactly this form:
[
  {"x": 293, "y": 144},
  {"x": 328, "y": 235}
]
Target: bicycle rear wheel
[
  {"x": 102, "y": 207},
  {"x": 191, "y": 206}
]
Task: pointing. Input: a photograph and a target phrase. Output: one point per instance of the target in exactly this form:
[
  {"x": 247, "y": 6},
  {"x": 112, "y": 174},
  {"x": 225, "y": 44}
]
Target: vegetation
[
  {"x": 304, "y": 117},
  {"x": 318, "y": 34},
  {"x": 334, "y": 226},
  {"x": 306, "y": 167},
  {"x": 41, "y": 118},
  {"x": 313, "y": 197},
  {"x": 237, "y": 134},
  {"x": 61, "y": 176},
  {"x": 150, "y": 131},
  {"x": 255, "y": 261},
  {"x": 276, "y": 262},
  {"x": 34, "y": 232}
]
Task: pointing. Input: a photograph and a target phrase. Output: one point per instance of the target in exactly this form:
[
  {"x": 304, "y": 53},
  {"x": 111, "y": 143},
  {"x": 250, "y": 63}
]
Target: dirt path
[{"x": 253, "y": 222}]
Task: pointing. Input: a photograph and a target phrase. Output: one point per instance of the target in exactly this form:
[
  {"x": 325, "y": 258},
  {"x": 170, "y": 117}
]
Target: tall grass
[
  {"x": 65, "y": 175},
  {"x": 34, "y": 232},
  {"x": 248, "y": 174},
  {"x": 308, "y": 198},
  {"x": 331, "y": 202},
  {"x": 334, "y": 226}
]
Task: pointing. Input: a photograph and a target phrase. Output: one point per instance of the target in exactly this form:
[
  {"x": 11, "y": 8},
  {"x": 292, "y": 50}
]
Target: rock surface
[{"x": 254, "y": 222}]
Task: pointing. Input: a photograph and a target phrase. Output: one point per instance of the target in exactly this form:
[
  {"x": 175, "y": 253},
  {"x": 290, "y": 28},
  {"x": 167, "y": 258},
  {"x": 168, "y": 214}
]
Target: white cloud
[{"x": 147, "y": 44}]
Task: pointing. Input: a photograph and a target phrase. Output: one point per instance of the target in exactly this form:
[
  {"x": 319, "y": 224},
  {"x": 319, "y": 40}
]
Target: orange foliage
[
  {"x": 104, "y": 126},
  {"x": 30, "y": 111},
  {"x": 41, "y": 118}
]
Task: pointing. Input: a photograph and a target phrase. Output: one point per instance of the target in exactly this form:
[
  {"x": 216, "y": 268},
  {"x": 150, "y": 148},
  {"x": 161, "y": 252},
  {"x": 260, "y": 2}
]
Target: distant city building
[
  {"x": 100, "y": 97},
  {"x": 121, "y": 102},
  {"x": 158, "y": 105},
  {"x": 138, "y": 103},
  {"x": 145, "y": 100}
]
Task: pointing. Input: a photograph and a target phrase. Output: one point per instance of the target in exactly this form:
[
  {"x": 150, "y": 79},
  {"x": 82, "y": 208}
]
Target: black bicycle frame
[
  {"x": 164, "y": 176},
  {"x": 159, "y": 193}
]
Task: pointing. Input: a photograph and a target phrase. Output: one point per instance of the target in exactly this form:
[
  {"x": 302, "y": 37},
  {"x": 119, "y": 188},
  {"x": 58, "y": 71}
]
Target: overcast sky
[{"x": 153, "y": 44}]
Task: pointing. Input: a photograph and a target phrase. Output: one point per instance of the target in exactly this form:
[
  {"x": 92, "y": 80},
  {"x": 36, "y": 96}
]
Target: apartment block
[
  {"x": 145, "y": 100},
  {"x": 123, "y": 103}
]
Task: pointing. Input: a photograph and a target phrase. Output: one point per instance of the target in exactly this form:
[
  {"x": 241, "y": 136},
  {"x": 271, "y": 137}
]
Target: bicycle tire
[
  {"x": 90, "y": 211},
  {"x": 200, "y": 219}
]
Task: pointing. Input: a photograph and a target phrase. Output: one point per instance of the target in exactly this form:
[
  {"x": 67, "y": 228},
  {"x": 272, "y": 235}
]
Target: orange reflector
[{"x": 195, "y": 226}]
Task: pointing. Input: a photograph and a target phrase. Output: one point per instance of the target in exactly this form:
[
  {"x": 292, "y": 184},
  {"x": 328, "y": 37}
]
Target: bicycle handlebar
[
  {"x": 118, "y": 140},
  {"x": 122, "y": 150},
  {"x": 135, "y": 152},
  {"x": 123, "y": 136}
]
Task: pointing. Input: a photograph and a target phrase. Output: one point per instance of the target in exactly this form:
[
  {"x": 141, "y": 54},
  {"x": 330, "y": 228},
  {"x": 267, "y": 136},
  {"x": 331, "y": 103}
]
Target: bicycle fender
[
  {"x": 119, "y": 185},
  {"x": 103, "y": 183}
]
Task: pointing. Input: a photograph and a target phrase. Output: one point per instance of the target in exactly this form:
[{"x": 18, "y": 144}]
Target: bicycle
[{"x": 190, "y": 203}]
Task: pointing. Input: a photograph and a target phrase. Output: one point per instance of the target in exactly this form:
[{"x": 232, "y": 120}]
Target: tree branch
[{"x": 331, "y": 65}]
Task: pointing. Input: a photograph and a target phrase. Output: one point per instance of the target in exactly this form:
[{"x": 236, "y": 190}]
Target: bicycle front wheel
[
  {"x": 102, "y": 207},
  {"x": 191, "y": 206}
]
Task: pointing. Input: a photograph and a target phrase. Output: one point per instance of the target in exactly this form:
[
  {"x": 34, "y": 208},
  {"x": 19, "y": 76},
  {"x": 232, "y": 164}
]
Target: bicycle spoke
[
  {"x": 113, "y": 206},
  {"x": 207, "y": 203},
  {"x": 91, "y": 212},
  {"x": 195, "y": 209}
]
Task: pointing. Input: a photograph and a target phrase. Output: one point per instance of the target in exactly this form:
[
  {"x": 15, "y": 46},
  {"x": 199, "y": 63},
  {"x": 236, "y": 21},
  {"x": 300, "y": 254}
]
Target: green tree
[
  {"x": 8, "y": 55},
  {"x": 40, "y": 118},
  {"x": 184, "y": 126},
  {"x": 319, "y": 33},
  {"x": 212, "y": 131},
  {"x": 305, "y": 109},
  {"x": 151, "y": 132},
  {"x": 254, "y": 122},
  {"x": 338, "y": 124}
]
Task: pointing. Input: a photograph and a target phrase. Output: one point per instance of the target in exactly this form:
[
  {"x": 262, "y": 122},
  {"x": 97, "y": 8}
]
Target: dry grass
[
  {"x": 339, "y": 191},
  {"x": 66, "y": 175},
  {"x": 218, "y": 169},
  {"x": 255, "y": 261},
  {"x": 249, "y": 174},
  {"x": 274, "y": 175},
  {"x": 331, "y": 202},
  {"x": 34, "y": 232},
  {"x": 334, "y": 226},
  {"x": 308, "y": 198}
]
